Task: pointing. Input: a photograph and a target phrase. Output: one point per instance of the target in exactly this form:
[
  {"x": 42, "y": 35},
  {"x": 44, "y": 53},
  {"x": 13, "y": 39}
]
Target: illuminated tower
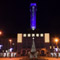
[{"x": 33, "y": 10}]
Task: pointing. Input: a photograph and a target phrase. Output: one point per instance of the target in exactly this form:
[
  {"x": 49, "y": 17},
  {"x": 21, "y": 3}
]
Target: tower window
[
  {"x": 24, "y": 35},
  {"x": 33, "y": 35},
  {"x": 41, "y": 35},
  {"x": 29, "y": 35},
  {"x": 37, "y": 35}
]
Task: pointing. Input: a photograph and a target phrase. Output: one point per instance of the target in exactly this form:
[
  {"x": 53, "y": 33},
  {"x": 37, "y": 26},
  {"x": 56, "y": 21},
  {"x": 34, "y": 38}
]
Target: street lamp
[
  {"x": 0, "y": 38},
  {"x": 10, "y": 41},
  {"x": 56, "y": 41},
  {"x": 0, "y": 32}
]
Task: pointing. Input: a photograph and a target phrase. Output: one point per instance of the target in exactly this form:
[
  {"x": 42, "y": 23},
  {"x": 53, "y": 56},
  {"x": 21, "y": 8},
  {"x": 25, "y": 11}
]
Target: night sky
[{"x": 15, "y": 16}]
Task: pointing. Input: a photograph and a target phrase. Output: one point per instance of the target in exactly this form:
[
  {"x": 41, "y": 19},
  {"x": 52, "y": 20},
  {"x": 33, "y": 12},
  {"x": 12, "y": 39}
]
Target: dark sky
[{"x": 15, "y": 16}]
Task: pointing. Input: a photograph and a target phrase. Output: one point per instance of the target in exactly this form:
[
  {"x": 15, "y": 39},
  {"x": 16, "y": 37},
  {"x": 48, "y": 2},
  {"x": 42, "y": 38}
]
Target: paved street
[
  {"x": 50, "y": 58},
  {"x": 21, "y": 58},
  {"x": 10, "y": 58},
  {"x": 53, "y": 58}
]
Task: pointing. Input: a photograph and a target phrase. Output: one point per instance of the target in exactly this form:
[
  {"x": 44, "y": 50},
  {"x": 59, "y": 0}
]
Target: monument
[
  {"x": 33, "y": 53},
  {"x": 33, "y": 9}
]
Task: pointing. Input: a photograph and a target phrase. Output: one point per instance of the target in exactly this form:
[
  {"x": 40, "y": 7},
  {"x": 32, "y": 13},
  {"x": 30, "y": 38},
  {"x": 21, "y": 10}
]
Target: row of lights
[
  {"x": 53, "y": 47},
  {"x": 33, "y": 35},
  {"x": 56, "y": 40}
]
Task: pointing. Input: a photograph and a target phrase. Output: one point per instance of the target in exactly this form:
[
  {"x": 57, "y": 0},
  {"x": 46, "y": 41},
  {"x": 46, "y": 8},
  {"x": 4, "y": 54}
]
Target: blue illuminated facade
[{"x": 33, "y": 16}]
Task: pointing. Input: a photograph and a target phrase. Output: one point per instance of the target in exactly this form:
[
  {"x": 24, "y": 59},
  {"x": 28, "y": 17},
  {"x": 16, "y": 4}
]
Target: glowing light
[
  {"x": 10, "y": 40},
  {"x": 41, "y": 35},
  {"x": 29, "y": 35},
  {"x": 50, "y": 47},
  {"x": 56, "y": 40},
  {"x": 11, "y": 49},
  {"x": 19, "y": 38},
  {"x": 33, "y": 4},
  {"x": 24, "y": 35},
  {"x": 37, "y": 35},
  {"x": 0, "y": 32},
  {"x": 56, "y": 49},
  {"x": 33, "y": 35},
  {"x": 1, "y": 46},
  {"x": 33, "y": 28},
  {"x": 47, "y": 37},
  {"x": 33, "y": 15}
]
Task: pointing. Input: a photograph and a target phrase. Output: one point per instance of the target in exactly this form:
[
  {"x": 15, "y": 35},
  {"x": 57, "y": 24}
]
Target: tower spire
[
  {"x": 33, "y": 49},
  {"x": 33, "y": 16}
]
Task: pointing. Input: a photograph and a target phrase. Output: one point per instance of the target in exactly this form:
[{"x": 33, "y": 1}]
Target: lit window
[
  {"x": 41, "y": 35},
  {"x": 47, "y": 37},
  {"x": 33, "y": 35},
  {"x": 29, "y": 35},
  {"x": 37, "y": 35},
  {"x": 19, "y": 38},
  {"x": 53, "y": 47},
  {"x": 24, "y": 35},
  {"x": 50, "y": 47}
]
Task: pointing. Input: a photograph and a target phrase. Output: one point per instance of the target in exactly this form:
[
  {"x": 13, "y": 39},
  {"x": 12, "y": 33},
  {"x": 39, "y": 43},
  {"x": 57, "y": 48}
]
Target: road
[
  {"x": 10, "y": 58},
  {"x": 21, "y": 58},
  {"x": 50, "y": 58}
]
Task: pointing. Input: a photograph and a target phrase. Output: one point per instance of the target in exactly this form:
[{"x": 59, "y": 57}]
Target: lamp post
[
  {"x": 0, "y": 32},
  {"x": 56, "y": 41},
  {"x": 10, "y": 41},
  {"x": 0, "y": 37}
]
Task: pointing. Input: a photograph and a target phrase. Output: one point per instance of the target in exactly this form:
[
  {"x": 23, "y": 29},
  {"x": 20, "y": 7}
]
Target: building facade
[{"x": 24, "y": 41}]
